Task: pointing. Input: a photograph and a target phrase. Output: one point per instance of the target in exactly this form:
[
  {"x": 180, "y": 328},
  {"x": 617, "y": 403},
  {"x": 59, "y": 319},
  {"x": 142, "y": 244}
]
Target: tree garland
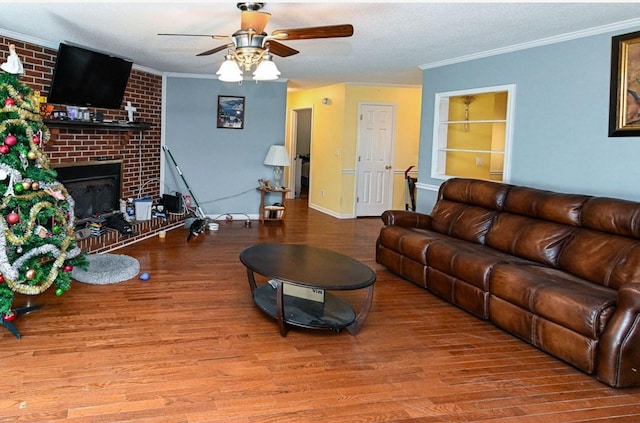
[{"x": 37, "y": 222}]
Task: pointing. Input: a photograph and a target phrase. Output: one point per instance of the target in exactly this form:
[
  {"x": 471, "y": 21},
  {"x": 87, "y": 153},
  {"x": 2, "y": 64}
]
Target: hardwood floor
[{"x": 190, "y": 346}]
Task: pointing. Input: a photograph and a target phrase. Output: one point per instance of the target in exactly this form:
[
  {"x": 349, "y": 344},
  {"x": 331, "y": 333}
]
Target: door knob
[{"x": 387, "y": 167}]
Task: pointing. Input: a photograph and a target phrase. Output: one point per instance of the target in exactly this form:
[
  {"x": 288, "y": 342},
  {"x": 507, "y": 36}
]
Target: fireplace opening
[{"x": 94, "y": 186}]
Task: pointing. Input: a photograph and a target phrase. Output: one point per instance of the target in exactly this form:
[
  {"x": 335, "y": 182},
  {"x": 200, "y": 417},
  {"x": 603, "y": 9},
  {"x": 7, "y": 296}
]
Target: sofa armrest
[
  {"x": 406, "y": 218},
  {"x": 619, "y": 350}
]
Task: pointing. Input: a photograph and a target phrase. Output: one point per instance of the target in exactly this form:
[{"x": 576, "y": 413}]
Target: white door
[{"x": 374, "y": 173}]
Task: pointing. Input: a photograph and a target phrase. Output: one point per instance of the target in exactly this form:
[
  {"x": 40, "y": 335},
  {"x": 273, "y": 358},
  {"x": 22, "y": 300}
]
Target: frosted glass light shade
[
  {"x": 266, "y": 71},
  {"x": 229, "y": 71}
]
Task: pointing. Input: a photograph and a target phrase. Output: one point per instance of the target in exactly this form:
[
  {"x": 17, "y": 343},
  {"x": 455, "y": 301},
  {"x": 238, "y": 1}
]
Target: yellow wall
[
  {"x": 477, "y": 136},
  {"x": 334, "y": 139}
]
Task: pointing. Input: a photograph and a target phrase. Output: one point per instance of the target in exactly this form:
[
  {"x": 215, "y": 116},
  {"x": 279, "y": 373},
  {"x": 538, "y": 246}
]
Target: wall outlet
[
  {"x": 322, "y": 193},
  {"x": 479, "y": 161}
]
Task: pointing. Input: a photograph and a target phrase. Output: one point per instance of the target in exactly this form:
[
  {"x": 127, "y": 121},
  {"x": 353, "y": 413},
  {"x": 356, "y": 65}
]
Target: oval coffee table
[{"x": 316, "y": 271}]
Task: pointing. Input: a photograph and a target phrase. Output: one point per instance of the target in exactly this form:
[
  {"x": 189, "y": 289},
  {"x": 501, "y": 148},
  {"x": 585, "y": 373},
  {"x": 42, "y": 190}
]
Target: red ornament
[
  {"x": 9, "y": 102},
  {"x": 10, "y": 140},
  {"x": 67, "y": 268},
  {"x": 9, "y": 316},
  {"x": 1, "y": 278},
  {"x": 13, "y": 218},
  {"x": 36, "y": 140},
  {"x": 4, "y": 149}
]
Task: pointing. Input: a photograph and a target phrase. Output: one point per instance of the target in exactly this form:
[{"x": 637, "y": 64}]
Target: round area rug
[{"x": 107, "y": 268}]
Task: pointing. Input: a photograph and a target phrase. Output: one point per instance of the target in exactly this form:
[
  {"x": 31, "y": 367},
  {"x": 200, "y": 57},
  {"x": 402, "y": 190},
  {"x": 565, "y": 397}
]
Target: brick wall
[{"x": 140, "y": 153}]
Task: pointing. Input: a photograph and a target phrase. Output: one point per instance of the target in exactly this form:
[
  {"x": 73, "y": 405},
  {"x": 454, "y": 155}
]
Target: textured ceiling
[{"x": 390, "y": 41}]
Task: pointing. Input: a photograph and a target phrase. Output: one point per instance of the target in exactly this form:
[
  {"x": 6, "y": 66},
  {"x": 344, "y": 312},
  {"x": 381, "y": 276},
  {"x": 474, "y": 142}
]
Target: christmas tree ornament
[
  {"x": 35, "y": 186},
  {"x": 67, "y": 268},
  {"x": 1, "y": 278},
  {"x": 36, "y": 139},
  {"x": 18, "y": 187},
  {"x": 57, "y": 194},
  {"x": 4, "y": 149},
  {"x": 24, "y": 161},
  {"x": 55, "y": 229},
  {"x": 9, "y": 101},
  {"x": 59, "y": 291},
  {"x": 9, "y": 317},
  {"x": 26, "y": 185},
  {"x": 31, "y": 155},
  {"x": 13, "y": 218},
  {"x": 13, "y": 65},
  {"x": 10, "y": 140},
  {"x": 41, "y": 231},
  {"x": 30, "y": 274}
]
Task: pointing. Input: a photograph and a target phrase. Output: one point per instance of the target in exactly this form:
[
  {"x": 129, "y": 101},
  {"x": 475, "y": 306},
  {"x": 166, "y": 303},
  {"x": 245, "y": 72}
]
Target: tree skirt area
[{"x": 107, "y": 268}]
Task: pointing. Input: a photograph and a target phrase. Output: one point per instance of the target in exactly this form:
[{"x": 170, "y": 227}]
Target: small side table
[{"x": 263, "y": 193}]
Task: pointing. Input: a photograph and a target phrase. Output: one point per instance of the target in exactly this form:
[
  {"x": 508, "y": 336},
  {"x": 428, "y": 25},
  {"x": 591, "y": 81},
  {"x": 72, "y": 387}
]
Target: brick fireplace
[
  {"x": 94, "y": 186},
  {"x": 139, "y": 152}
]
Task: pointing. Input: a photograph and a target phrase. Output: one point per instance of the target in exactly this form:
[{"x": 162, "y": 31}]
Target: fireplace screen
[{"x": 94, "y": 187}]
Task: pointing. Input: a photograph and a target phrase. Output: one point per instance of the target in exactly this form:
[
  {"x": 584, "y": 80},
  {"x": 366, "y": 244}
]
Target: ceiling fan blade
[
  {"x": 280, "y": 49},
  {"x": 332, "y": 31},
  {"x": 215, "y": 37},
  {"x": 215, "y": 50},
  {"x": 254, "y": 20}
]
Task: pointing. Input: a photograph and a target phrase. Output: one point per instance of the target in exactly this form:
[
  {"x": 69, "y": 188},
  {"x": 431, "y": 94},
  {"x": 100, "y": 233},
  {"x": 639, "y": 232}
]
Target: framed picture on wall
[
  {"x": 230, "y": 112},
  {"x": 624, "y": 103}
]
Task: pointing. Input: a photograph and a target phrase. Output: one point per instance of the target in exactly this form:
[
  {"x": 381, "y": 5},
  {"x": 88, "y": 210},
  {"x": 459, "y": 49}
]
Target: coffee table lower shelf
[{"x": 334, "y": 314}]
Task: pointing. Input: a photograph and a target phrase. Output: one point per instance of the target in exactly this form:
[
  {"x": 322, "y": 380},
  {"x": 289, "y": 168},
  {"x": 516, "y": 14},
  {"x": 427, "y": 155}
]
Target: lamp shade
[
  {"x": 266, "y": 70},
  {"x": 277, "y": 156},
  {"x": 229, "y": 71}
]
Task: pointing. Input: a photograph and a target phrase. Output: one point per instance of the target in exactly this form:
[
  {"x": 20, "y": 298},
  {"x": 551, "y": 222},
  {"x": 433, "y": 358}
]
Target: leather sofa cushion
[
  {"x": 619, "y": 217},
  {"x": 556, "y": 296},
  {"x": 601, "y": 258},
  {"x": 471, "y": 263},
  {"x": 486, "y": 194},
  {"x": 533, "y": 239},
  {"x": 462, "y": 221},
  {"x": 409, "y": 242},
  {"x": 547, "y": 205}
]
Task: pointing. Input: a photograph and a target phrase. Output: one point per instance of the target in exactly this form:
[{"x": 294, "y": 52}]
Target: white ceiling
[{"x": 391, "y": 40}]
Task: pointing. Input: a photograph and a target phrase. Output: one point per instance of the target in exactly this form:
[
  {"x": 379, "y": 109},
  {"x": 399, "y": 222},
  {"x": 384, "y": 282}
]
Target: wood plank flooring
[{"x": 189, "y": 346}]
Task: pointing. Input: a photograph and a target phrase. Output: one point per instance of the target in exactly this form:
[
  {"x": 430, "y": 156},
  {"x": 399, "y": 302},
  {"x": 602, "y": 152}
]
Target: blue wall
[
  {"x": 561, "y": 118},
  {"x": 222, "y": 166}
]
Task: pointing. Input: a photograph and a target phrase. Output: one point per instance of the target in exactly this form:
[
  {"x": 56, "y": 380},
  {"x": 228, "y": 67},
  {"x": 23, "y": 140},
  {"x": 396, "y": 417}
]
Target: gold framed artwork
[{"x": 624, "y": 103}]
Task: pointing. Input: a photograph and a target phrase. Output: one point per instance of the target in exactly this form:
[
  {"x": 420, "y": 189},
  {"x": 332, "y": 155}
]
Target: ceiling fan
[{"x": 250, "y": 45}]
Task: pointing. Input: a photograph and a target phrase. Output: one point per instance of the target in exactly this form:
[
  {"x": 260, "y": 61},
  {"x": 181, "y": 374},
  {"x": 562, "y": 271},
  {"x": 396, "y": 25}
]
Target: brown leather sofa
[{"x": 560, "y": 271}]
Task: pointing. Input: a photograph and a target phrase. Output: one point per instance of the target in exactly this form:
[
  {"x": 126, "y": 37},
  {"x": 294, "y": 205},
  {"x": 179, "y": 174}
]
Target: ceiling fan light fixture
[
  {"x": 229, "y": 70},
  {"x": 266, "y": 70}
]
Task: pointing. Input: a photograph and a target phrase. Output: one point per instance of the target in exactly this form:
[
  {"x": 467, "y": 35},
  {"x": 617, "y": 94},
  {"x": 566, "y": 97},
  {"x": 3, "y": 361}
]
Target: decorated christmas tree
[{"x": 37, "y": 242}]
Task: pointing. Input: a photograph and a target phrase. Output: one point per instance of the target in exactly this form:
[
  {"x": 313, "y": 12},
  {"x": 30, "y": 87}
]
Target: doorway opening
[{"x": 302, "y": 121}]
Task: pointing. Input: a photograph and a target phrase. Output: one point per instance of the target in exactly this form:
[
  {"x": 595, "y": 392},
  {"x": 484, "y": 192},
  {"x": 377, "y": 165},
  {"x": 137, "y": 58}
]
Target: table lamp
[{"x": 277, "y": 156}]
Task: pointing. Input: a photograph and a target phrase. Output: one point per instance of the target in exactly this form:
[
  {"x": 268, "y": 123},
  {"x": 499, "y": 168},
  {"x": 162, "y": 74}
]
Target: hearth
[{"x": 94, "y": 186}]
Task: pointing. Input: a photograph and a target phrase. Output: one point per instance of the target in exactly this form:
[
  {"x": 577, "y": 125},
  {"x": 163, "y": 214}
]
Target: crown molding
[
  {"x": 49, "y": 44},
  {"x": 28, "y": 39},
  {"x": 537, "y": 43}
]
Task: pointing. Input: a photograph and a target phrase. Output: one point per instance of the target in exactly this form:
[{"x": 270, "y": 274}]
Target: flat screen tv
[{"x": 88, "y": 78}]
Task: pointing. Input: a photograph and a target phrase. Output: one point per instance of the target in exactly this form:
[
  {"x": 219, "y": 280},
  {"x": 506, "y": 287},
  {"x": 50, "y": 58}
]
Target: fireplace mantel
[{"x": 105, "y": 126}]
